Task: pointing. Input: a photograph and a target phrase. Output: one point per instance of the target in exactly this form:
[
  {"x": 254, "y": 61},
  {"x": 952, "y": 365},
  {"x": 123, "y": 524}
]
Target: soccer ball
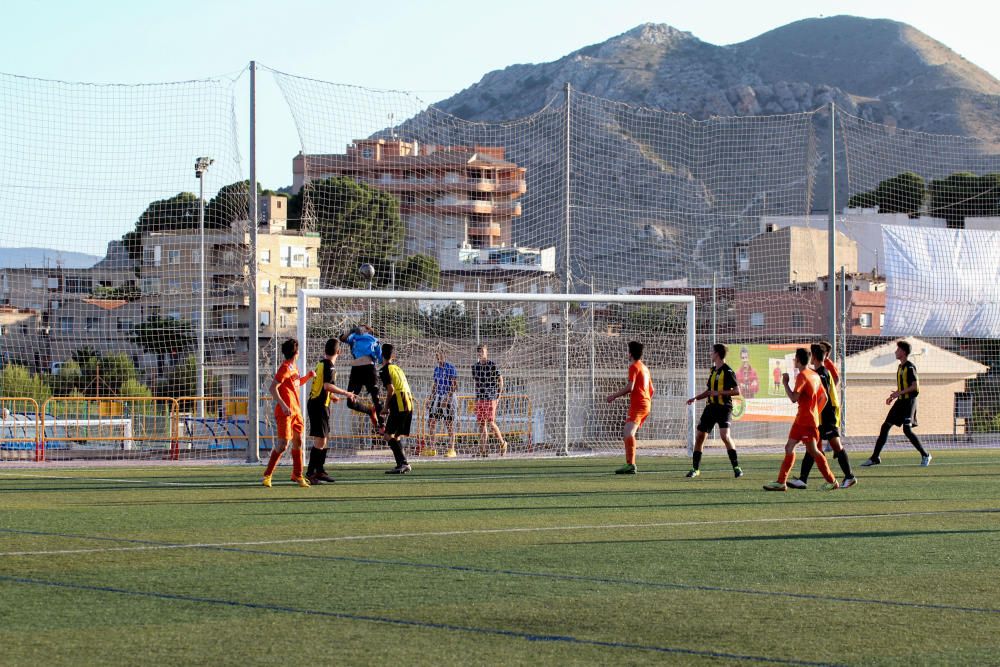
[{"x": 367, "y": 271}]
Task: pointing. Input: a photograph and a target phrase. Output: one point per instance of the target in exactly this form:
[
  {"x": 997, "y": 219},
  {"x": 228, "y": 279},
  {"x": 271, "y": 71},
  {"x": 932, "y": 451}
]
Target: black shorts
[
  {"x": 713, "y": 414},
  {"x": 398, "y": 423},
  {"x": 828, "y": 431},
  {"x": 903, "y": 412},
  {"x": 319, "y": 419},
  {"x": 442, "y": 407}
]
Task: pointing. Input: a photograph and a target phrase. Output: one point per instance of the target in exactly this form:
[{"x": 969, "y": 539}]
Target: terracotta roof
[{"x": 106, "y": 304}]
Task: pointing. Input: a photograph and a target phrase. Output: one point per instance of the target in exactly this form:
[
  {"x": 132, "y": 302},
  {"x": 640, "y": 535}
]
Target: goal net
[{"x": 560, "y": 356}]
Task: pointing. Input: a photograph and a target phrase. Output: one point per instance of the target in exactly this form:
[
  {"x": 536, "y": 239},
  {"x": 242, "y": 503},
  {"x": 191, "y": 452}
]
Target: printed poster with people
[{"x": 758, "y": 371}]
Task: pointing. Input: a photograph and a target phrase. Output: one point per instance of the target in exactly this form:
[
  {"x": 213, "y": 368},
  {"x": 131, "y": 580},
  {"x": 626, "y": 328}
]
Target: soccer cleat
[
  {"x": 925, "y": 460},
  {"x": 267, "y": 481},
  {"x": 451, "y": 453},
  {"x": 830, "y": 486},
  {"x": 627, "y": 469},
  {"x": 775, "y": 486},
  {"x": 693, "y": 472},
  {"x": 399, "y": 470},
  {"x": 737, "y": 472},
  {"x": 796, "y": 483},
  {"x": 848, "y": 482},
  {"x": 302, "y": 481},
  {"x": 324, "y": 477},
  {"x": 870, "y": 462},
  {"x": 503, "y": 449}
]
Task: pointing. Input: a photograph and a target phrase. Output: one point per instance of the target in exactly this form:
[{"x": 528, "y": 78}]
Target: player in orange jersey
[
  {"x": 284, "y": 390},
  {"x": 811, "y": 398},
  {"x": 640, "y": 391}
]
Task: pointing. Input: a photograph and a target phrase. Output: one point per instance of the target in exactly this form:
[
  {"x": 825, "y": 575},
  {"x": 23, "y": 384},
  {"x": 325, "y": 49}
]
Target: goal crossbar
[{"x": 687, "y": 301}]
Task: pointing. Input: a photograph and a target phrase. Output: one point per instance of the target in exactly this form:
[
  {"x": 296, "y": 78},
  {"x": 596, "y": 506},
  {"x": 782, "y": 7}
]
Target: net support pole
[
  {"x": 253, "y": 344},
  {"x": 832, "y": 241},
  {"x": 843, "y": 349},
  {"x": 692, "y": 363},
  {"x": 566, "y": 206},
  {"x": 302, "y": 317}
]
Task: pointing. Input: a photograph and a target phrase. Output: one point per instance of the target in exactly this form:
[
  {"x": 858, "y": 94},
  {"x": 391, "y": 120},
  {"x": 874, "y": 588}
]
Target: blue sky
[{"x": 432, "y": 48}]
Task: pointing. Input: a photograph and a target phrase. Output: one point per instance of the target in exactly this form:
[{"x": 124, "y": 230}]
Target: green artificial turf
[{"x": 552, "y": 561}]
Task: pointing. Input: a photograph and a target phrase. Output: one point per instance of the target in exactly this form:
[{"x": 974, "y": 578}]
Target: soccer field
[{"x": 507, "y": 562}]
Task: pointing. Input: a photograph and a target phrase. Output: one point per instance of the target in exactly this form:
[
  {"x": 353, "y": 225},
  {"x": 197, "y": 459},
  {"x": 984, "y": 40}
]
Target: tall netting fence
[
  {"x": 923, "y": 211},
  {"x": 113, "y": 298},
  {"x": 108, "y": 297}
]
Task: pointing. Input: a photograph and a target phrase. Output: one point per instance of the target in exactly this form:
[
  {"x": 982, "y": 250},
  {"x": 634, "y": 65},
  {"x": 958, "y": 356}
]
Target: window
[
  {"x": 865, "y": 321},
  {"x": 756, "y": 319},
  {"x": 265, "y": 256},
  {"x": 265, "y": 286},
  {"x": 881, "y": 319},
  {"x": 228, "y": 320},
  {"x": 54, "y": 305},
  {"x": 173, "y": 286},
  {"x": 277, "y": 203},
  {"x": 174, "y": 315},
  {"x": 53, "y": 283},
  {"x": 152, "y": 255},
  {"x": 173, "y": 257},
  {"x": 93, "y": 323},
  {"x": 265, "y": 318},
  {"x": 36, "y": 283},
  {"x": 742, "y": 258},
  {"x": 312, "y": 283},
  {"x": 66, "y": 324},
  {"x": 125, "y": 324},
  {"x": 150, "y": 285}
]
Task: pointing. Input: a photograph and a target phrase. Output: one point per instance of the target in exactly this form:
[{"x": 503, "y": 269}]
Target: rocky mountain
[{"x": 879, "y": 70}]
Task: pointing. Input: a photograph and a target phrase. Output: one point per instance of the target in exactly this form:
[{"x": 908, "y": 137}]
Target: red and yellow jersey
[
  {"x": 287, "y": 379},
  {"x": 812, "y": 398},
  {"x": 642, "y": 385},
  {"x": 831, "y": 368}
]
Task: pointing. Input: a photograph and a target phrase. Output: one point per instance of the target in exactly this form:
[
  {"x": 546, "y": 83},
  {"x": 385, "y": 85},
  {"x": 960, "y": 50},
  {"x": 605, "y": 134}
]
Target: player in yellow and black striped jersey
[
  {"x": 829, "y": 424},
  {"x": 722, "y": 386},
  {"x": 903, "y": 412},
  {"x": 399, "y": 405},
  {"x": 322, "y": 392}
]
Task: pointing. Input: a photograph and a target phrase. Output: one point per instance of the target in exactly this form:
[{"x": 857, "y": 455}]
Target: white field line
[{"x": 478, "y": 531}]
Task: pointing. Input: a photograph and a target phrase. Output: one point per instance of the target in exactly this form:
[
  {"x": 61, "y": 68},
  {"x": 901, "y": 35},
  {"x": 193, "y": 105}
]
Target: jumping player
[
  {"x": 904, "y": 412},
  {"x": 811, "y": 397},
  {"x": 722, "y": 386},
  {"x": 640, "y": 391},
  {"x": 284, "y": 390},
  {"x": 367, "y": 353}
]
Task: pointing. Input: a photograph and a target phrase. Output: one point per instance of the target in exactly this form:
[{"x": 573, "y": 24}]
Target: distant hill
[
  {"x": 880, "y": 70},
  {"x": 41, "y": 258}
]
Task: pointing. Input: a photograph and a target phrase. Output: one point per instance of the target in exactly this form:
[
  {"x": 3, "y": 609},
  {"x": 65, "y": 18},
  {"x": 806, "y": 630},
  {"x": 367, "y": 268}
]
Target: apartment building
[{"x": 458, "y": 204}]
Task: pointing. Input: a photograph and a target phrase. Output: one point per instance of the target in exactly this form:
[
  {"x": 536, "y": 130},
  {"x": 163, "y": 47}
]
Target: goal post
[{"x": 560, "y": 355}]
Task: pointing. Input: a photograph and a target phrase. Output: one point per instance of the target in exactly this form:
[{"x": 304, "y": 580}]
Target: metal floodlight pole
[
  {"x": 201, "y": 165},
  {"x": 832, "y": 243}
]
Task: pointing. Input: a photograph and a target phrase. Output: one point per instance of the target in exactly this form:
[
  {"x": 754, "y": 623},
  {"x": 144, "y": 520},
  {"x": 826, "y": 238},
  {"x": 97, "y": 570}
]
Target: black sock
[
  {"x": 883, "y": 435},
  {"x": 807, "y": 465},
  {"x": 696, "y": 460},
  {"x": 321, "y": 464},
  {"x": 397, "y": 452},
  {"x": 914, "y": 440},
  {"x": 313, "y": 456},
  {"x": 845, "y": 463},
  {"x": 733, "y": 457}
]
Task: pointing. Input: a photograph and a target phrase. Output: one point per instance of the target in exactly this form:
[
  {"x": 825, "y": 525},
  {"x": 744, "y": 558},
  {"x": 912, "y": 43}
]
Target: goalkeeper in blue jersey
[{"x": 367, "y": 353}]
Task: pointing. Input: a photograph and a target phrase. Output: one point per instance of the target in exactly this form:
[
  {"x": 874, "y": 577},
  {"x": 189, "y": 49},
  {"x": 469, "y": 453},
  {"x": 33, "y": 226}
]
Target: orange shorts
[
  {"x": 289, "y": 426},
  {"x": 637, "y": 415},
  {"x": 486, "y": 411},
  {"x": 804, "y": 433}
]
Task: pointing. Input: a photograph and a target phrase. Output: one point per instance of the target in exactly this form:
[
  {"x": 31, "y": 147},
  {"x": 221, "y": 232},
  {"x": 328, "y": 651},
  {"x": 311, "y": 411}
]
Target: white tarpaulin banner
[{"x": 941, "y": 282}]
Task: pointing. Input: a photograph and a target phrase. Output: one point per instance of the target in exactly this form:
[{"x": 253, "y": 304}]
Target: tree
[
  {"x": 231, "y": 203},
  {"x": 356, "y": 223},
  {"x": 18, "y": 382},
  {"x": 418, "y": 272},
  {"x": 162, "y": 336},
  {"x": 182, "y": 380},
  {"x": 903, "y": 193},
  {"x": 965, "y": 195}
]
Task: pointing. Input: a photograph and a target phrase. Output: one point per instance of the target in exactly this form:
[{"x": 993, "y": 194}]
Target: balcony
[{"x": 541, "y": 260}]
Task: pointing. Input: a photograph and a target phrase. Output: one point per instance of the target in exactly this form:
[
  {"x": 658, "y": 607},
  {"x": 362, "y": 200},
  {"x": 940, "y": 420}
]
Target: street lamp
[{"x": 200, "y": 167}]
